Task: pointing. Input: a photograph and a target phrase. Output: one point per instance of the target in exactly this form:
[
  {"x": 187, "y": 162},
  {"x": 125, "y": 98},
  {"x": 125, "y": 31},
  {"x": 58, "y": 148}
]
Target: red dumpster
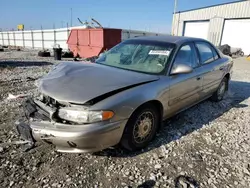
[{"x": 87, "y": 43}]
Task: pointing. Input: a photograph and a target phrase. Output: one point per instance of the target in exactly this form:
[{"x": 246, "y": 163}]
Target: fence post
[
  {"x": 23, "y": 39},
  {"x": 54, "y": 32},
  {"x": 2, "y": 37},
  {"x": 14, "y": 38},
  {"x": 68, "y": 30},
  {"x": 8, "y": 37},
  {"x": 32, "y": 38},
  {"x": 42, "y": 37}
]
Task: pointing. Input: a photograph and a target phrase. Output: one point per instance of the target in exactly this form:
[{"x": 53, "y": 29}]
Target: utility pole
[
  {"x": 173, "y": 24},
  {"x": 71, "y": 17}
]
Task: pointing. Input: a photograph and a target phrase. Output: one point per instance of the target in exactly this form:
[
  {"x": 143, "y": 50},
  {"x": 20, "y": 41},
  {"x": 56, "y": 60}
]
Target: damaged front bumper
[{"x": 67, "y": 137}]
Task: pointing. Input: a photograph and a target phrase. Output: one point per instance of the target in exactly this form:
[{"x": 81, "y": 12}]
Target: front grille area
[
  {"x": 49, "y": 101},
  {"x": 32, "y": 110},
  {"x": 41, "y": 114},
  {"x": 44, "y": 108}
]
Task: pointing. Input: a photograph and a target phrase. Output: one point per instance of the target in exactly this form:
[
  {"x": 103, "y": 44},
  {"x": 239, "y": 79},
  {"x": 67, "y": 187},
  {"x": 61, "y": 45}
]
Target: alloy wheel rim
[{"x": 143, "y": 127}]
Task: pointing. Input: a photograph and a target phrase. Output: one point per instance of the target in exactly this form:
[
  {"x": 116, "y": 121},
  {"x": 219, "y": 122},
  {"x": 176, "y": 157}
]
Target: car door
[
  {"x": 185, "y": 88},
  {"x": 213, "y": 67}
]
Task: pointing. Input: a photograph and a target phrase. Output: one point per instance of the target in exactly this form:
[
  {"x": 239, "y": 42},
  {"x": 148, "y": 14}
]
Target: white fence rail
[{"x": 46, "y": 39}]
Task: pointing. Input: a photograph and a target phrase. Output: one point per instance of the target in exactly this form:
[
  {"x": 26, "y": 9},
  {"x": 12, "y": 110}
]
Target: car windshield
[{"x": 146, "y": 57}]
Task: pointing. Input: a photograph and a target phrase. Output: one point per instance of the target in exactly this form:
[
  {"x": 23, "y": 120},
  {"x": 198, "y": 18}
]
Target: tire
[
  {"x": 226, "y": 52},
  {"x": 225, "y": 49},
  {"x": 43, "y": 54},
  {"x": 148, "y": 131},
  {"x": 220, "y": 92},
  {"x": 1, "y": 50},
  {"x": 68, "y": 55},
  {"x": 242, "y": 54}
]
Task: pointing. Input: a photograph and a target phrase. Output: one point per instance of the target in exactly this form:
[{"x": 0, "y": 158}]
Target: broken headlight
[{"x": 84, "y": 116}]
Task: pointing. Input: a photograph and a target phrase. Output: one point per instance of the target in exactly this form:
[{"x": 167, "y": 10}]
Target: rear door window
[
  {"x": 216, "y": 56},
  {"x": 186, "y": 55},
  {"x": 207, "y": 53}
]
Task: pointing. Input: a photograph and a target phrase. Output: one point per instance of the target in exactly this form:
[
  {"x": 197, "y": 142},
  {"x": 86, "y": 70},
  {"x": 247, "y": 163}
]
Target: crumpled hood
[{"x": 80, "y": 82}]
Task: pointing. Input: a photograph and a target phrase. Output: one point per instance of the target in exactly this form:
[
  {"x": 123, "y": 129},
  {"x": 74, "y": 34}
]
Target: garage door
[
  {"x": 237, "y": 34},
  {"x": 196, "y": 29}
]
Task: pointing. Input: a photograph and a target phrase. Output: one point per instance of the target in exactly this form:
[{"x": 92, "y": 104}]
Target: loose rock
[{"x": 158, "y": 166}]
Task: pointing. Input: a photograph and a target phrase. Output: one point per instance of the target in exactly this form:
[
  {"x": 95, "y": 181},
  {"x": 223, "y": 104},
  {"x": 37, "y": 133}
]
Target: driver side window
[{"x": 186, "y": 55}]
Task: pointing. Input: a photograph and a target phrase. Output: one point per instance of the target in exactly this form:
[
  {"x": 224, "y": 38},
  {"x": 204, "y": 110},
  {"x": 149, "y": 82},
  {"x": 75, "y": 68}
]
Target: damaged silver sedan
[{"x": 124, "y": 96}]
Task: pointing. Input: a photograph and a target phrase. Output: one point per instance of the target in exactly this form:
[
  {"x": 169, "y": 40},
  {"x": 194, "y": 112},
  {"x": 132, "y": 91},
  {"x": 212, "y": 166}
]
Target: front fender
[{"x": 126, "y": 102}]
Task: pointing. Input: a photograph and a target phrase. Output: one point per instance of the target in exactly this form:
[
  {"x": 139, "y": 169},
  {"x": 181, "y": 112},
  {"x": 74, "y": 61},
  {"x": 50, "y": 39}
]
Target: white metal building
[{"x": 227, "y": 23}]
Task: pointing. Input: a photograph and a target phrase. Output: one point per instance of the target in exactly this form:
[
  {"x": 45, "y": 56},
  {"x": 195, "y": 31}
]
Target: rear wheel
[
  {"x": 141, "y": 128},
  {"x": 220, "y": 92}
]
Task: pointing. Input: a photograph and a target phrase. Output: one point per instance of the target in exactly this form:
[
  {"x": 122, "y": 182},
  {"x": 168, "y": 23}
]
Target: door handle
[
  {"x": 221, "y": 68},
  {"x": 198, "y": 78}
]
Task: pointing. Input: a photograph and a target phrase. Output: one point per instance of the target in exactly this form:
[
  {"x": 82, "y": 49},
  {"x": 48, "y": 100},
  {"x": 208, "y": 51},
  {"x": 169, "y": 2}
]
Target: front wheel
[
  {"x": 220, "y": 92},
  {"x": 141, "y": 128}
]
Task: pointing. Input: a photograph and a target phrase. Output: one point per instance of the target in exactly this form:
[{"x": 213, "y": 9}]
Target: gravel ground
[{"x": 205, "y": 146}]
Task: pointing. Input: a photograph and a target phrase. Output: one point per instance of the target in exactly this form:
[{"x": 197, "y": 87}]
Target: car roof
[{"x": 168, "y": 39}]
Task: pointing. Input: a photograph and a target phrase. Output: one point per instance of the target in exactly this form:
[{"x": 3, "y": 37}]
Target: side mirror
[{"x": 181, "y": 69}]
